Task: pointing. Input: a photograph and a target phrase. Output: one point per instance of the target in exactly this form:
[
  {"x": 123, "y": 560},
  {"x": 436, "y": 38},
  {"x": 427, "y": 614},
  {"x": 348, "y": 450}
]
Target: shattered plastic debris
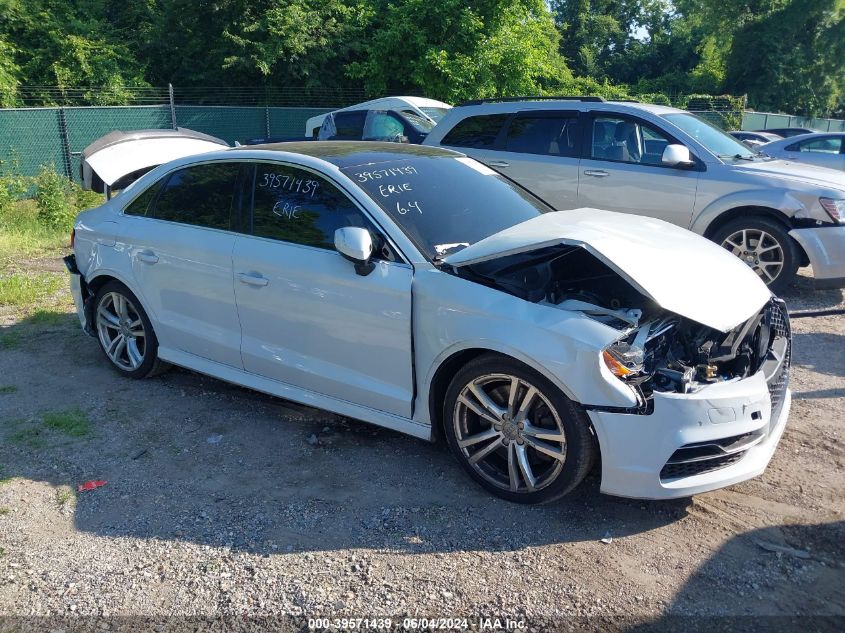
[
  {"x": 607, "y": 538},
  {"x": 90, "y": 485},
  {"x": 313, "y": 440},
  {"x": 214, "y": 439}
]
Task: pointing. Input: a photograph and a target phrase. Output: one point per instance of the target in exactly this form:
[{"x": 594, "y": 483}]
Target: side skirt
[{"x": 295, "y": 394}]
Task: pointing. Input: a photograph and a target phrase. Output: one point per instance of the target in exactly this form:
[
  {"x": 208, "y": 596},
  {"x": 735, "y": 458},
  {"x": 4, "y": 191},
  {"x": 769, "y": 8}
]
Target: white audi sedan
[{"x": 416, "y": 289}]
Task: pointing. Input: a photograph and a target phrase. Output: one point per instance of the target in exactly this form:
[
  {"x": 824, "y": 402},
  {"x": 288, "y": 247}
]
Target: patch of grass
[
  {"x": 7, "y": 389},
  {"x": 21, "y": 235},
  {"x": 32, "y": 436},
  {"x": 2, "y": 552},
  {"x": 71, "y": 422},
  {"x": 10, "y": 340},
  {"x": 63, "y": 495},
  {"x": 47, "y": 317},
  {"x": 26, "y": 290},
  {"x": 4, "y": 511}
]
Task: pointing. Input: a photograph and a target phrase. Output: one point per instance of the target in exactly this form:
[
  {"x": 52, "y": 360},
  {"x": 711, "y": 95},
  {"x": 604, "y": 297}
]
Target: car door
[
  {"x": 541, "y": 151},
  {"x": 181, "y": 257},
  {"x": 824, "y": 151},
  {"x": 621, "y": 170},
  {"x": 307, "y": 318}
]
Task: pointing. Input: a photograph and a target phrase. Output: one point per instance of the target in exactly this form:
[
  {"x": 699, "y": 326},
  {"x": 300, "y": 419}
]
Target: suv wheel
[
  {"x": 765, "y": 246},
  {"x": 515, "y": 433}
]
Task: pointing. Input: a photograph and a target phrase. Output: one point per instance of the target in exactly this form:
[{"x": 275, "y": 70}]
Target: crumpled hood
[
  {"x": 794, "y": 171},
  {"x": 681, "y": 271}
]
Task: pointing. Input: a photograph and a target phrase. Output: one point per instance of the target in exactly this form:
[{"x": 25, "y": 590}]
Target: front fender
[
  {"x": 452, "y": 314},
  {"x": 778, "y": 199}
]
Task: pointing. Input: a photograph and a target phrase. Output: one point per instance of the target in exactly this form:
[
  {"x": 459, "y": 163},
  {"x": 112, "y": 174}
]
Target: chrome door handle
[
  {"x": 596, "y": 173},
  {"x": 498, "y": 163},
  {"x": 253, "y": 279},
  {"x": 148, "y": 257}
]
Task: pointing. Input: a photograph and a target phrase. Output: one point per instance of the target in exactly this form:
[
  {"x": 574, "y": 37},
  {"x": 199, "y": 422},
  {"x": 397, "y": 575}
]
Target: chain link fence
[{"x": 56, "y": 135}]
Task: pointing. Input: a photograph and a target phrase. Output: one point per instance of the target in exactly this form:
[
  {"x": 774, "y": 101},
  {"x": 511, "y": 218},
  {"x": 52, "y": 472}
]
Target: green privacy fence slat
[
  {"x": 768, "y": 120},
  {"x": 229, "y": 123},
  {"x": 31, "y": 137},
  {"x": 290, "y": 122}
]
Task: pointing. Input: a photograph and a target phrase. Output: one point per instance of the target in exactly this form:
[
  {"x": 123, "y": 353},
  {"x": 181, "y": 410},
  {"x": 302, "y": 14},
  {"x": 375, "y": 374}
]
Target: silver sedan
[{"x": 822, "y": 149}]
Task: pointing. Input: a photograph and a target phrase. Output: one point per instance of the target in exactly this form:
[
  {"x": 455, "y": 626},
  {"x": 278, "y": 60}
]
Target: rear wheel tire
[
  {"x": 125, "y": 333},
  {"x": 765, "y": 246},
  {"x": 515, "y": 433}
]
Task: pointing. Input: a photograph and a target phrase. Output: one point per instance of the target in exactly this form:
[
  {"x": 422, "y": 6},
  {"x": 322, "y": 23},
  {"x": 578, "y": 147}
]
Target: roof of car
[{"x": 353, "y": 153}]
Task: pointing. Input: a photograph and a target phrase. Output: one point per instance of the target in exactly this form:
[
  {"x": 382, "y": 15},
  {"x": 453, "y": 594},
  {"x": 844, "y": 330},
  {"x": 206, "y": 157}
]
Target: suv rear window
[
  {"x": 479, "y": 132},
  {"x": 543, "y": 134}
]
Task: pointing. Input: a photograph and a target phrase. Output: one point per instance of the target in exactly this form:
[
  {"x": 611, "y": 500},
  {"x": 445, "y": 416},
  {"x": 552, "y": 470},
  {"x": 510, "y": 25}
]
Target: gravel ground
[{"x": 224, "y": 502}]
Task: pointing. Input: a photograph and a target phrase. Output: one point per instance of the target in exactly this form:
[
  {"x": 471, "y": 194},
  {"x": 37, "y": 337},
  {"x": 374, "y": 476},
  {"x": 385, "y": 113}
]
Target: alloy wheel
[
  {"x": 760, "y": 250},
  {"x": 121, "y": 331},
  {"x": 509, "y": 432}
]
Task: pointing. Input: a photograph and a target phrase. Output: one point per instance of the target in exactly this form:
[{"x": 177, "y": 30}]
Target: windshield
[
  {"x": 445, "y": 203},
  {"x": 712, "y": 137},
  {"x": 435, "y": 113},
  {"x": 420, "y": 124}
]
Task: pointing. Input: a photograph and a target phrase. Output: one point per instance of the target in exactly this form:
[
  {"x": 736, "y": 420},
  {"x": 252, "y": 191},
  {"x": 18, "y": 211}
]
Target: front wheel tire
[
  {"x": 515, "y": 433},
  {"x": 765, "y": 246},
  {"x": 125, "y": 333}
]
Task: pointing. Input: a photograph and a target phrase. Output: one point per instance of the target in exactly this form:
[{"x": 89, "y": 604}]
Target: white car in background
[
  {"x": 430, "y": 110},
  {"x": 415, "y": 288},
  {"x": 824, "y": 149}
]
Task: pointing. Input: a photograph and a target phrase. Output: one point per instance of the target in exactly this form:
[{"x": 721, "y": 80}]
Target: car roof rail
[{"x": 530, "y": 98}]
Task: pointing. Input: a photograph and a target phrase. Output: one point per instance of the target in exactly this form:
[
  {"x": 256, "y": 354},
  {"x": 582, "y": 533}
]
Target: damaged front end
[{"x": 657, "y": 350}]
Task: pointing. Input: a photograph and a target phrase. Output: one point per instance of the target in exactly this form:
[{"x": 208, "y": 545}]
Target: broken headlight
[{"x": 624, "y": 359}]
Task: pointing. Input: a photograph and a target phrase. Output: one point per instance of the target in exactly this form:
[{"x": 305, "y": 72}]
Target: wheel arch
[
  {"x": 99, "y": 279},
  {"x": 759, "y": 211},
  {"x": 449, "y": 366}
]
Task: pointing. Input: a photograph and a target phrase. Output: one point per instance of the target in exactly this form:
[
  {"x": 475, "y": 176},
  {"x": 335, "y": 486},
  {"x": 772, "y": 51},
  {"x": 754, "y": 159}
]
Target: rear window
[
  {"x": 478, "y": 132},
  {"x": 141, "y": 204},
  {"x": 548, "y": 135},
  {"x": 201, "y": 195}
]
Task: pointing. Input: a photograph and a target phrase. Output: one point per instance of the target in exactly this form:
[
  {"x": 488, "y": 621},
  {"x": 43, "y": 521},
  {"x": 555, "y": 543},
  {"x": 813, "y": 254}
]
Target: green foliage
[
  {"x": 455, "y": 50},
  {"x": 12, "y": 186},
  {"x": 54, "y": 197}
]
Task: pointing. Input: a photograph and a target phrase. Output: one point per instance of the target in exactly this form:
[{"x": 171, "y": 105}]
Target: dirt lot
[{"x": 221, "y": 501}]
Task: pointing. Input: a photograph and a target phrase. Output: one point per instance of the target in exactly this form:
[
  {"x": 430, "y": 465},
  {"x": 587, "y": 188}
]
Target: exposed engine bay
[{"x": 657, "y": 350}]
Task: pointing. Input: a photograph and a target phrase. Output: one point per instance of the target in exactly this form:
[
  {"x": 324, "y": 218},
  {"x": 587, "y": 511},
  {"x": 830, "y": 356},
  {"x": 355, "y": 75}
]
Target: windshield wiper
[{"x": 738, "y": 156}]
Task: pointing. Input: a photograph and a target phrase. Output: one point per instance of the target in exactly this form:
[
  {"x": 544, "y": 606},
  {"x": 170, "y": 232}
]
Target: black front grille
[
  {"x": 778, "y": 320},
  {"x": 688, "y": 469}
]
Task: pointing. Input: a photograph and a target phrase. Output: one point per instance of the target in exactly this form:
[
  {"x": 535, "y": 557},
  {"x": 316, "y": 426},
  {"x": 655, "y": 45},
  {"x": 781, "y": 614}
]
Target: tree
[
  {"x": 453, "y": 50},
  {"x": 792, "y": 59}
]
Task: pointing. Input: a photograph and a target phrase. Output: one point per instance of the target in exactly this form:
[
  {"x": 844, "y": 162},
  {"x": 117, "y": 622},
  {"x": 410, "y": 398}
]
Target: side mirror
[
  {"x": 677, "y": 156},
  {"x": 356, "y": 245}
]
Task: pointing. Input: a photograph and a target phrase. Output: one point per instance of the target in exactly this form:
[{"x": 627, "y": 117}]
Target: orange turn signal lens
[{"x": 616, "y": 368}]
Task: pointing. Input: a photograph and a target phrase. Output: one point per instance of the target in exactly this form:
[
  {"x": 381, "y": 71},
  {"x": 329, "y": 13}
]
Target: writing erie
[{"x": 387, "y": 190}]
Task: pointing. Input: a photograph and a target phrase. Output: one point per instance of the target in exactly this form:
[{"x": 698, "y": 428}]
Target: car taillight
[{"x": 835, "y": 208}]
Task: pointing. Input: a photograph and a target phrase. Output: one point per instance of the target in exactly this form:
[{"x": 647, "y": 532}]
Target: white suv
[{"x": 664, "y": 163}]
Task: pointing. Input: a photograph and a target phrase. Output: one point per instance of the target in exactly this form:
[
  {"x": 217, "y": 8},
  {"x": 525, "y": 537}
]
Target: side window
[
  {"x": 551, "y": 135},
  {"x": 827, "y": 145},
  {"x": 350, "y": 125},
  {"x": 479, "y": 132},
  {"x": 202, "y": 195},
  {"x": 141, "y": 204},
  {"x": 294, "y": 205},
  {"x": 382, "y": 126},
  {"x": 627, "y": 141}
]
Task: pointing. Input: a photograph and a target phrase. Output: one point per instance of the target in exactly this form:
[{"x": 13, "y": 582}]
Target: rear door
[
  {"x": 541, "y": 151},
  {"x": 181, "y": 255},
  {"x": 307, "y": 318},
  {"x": 622, "y": 170}
]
